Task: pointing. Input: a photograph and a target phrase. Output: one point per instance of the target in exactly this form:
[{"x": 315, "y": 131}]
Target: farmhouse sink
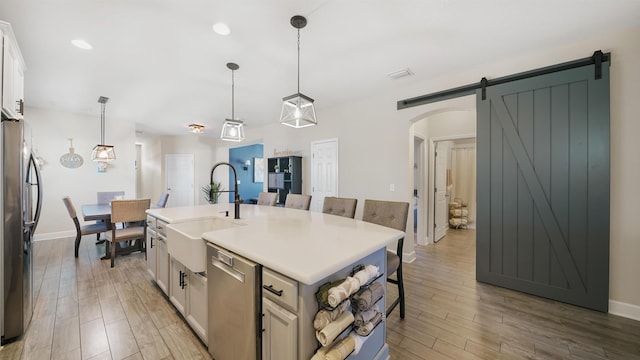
[{"x": 185, "y": 243}]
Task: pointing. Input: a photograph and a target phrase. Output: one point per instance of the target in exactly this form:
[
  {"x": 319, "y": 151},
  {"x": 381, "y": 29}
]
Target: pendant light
[
  {"x": 297, "y": 109},
  {"x": 102, "y": 152},
  {"x": 232, "y": 129}
]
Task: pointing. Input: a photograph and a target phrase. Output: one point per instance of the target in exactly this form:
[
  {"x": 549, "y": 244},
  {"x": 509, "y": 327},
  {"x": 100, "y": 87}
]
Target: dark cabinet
[{"x": 284, "y": 176}]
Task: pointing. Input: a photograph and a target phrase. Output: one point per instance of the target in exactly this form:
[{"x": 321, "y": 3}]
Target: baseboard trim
[
  {"x": 409, "y": 257},
  {"x": 629, "y": 311},
  {"x": 54, "y": 235}
]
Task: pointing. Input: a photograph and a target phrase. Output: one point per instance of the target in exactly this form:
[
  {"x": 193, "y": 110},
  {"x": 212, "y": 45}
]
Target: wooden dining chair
[
  {"x": 344, "y": 207},
  {"x": 297, "y": 201},
  {"x": 267, "y": 198},
  {"x": 394, "y": 215},
  {"x": 95, "y": 228},
  {"x": 133, "y": 213}
]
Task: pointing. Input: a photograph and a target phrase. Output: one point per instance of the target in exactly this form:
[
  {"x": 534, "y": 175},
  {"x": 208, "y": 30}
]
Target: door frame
[
  {"x": 431, "y": 179},
  {"x": 420, "y": 187}
]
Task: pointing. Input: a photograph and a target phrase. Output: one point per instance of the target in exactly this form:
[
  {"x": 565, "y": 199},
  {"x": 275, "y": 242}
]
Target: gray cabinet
[
  {"x": 162, "y": 258},
  {"x": 188, "y": 293},
  {"x": 284, "y": 176},
  {"x": 280, "y": 335},
  {"x": 151, "y": 247},
  {"x": 12, "y": 75},
  {"x": 177, "y": 291},
  {"x": 280, "y": 318}
]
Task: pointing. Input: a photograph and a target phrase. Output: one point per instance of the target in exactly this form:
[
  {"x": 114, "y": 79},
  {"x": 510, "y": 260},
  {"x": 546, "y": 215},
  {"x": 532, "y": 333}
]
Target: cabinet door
[
  {"x": 12, "y": 80},
  {"x": 151, "y": 245},
  {"x": 177, "y": 285},
  {"x": 280, "y": 335},
  {"x": 197, "y": 304},
  {"x": 162, "y": 264}
]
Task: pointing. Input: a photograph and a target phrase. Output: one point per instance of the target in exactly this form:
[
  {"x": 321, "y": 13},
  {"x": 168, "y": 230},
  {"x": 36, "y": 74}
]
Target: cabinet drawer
[
  {"x": 281, "y": 289},
  {"x": 151, "y": 222},
  {"x": 161, "y": 227}
]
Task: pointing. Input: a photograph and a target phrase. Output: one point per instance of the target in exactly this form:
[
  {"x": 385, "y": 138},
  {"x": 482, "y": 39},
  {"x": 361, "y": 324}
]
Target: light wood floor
[
  {"x": 451, "y": 316},
  {"x": 86, "y": 310}
]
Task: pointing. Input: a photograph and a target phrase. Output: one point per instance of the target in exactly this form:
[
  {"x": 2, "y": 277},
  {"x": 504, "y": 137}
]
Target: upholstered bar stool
[
  {"x": 267, "y": 198},
  {"x": 344, "y": 207},
  {"x": 297, "y": 201},
  {"x": 394, "y": 215}
]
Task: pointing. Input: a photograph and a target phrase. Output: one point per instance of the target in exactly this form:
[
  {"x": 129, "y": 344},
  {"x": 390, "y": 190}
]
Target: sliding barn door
[{"x": 543, "y": 186}]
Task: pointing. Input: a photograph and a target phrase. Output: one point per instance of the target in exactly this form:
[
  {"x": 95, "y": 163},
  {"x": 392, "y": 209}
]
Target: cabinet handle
[
  {"x": 180, "y": 281},
  {"x": 184, "y": 283},
  {"x": 20, "y": 106},
  {"x": 270, "y": 289},
  {"x": 151, "y": 241}
]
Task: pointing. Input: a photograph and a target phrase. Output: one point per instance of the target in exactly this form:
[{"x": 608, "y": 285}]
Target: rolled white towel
[
  {"x": 324, "y": 317},
  {"x": 339, "y": 293},
  {"x": 366, "y": 274},
  {"x": 331, "y": 331}
]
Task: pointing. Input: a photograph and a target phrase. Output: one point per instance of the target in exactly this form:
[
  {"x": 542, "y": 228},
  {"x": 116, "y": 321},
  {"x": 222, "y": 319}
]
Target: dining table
[
  {"x": 101, "y": 212},
  {"x": 98, "y": 212}
]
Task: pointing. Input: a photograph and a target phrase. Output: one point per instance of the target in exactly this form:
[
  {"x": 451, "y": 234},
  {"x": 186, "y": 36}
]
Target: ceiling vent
[{"x": 400, "y": 73}]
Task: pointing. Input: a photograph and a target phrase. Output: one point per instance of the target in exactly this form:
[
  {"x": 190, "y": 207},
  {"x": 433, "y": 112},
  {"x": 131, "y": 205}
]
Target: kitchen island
[{"x": 296, "y": 252}]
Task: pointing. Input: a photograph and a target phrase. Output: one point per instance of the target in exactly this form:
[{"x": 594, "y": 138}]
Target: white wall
[
  {"x": 376, "y": 144},
  {"x": 203, "y": 150},
  {"x": 50, "y": 132}
]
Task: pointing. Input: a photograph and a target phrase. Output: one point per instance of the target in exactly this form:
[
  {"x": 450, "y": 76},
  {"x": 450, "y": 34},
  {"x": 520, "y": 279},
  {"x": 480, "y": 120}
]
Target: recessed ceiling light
[
  {"x": 79, "y": 43},
  {"x": 221, "y": 29}
]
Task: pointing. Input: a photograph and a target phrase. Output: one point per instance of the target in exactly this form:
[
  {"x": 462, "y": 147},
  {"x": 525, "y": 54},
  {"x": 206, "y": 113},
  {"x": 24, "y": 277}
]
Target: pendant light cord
[
  {"x": 298, "y": 60},
  {"x": 233, "y": 117},
  {"x": 102, "y": 124}
]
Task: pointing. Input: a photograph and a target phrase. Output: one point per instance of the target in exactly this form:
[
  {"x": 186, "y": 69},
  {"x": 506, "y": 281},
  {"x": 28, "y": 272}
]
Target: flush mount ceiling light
[
  {"x": 232, "y": 129},
  {"x": 400, "y": 73},
  {"x": 79, "y": 43},
  {"x": 103, "y": 152},
  {"x": 196, "y": 128},
  {"x": 297, "y": 109},
  {"x": 221, "y": 29}
]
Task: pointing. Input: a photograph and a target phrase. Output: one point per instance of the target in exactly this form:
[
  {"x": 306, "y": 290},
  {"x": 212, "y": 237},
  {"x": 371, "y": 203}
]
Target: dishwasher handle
[{"x": 238, "y": 275}]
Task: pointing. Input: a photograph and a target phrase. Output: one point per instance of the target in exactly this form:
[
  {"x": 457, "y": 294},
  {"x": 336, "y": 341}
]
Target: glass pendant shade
[
  {"x": 298, "y": 111},
  {"x": 232, "y": 130},
  {"x": 103, "y": 153}
]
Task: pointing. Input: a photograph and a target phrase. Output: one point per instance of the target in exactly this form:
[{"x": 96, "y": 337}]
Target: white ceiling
[{"x": 163, "y": 67}]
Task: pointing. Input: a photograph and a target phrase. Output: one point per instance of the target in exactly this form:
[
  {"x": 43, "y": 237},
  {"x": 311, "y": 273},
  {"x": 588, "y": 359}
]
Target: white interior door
[
  {"x": 179, "y": 172},
  {"x": 441, "y": 224},
  {"x": 324, "y": 171}
]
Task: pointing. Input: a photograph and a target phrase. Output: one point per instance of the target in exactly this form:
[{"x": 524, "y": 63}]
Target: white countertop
[{"x": 306, "y": 246}]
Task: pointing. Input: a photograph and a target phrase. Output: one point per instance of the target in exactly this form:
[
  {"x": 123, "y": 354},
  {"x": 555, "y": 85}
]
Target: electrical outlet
[{"x": 392, "y": 187}]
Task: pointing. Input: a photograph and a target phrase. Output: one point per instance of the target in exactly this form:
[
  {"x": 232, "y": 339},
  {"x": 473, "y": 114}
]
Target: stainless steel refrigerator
[{"x": 20, "y": 200}]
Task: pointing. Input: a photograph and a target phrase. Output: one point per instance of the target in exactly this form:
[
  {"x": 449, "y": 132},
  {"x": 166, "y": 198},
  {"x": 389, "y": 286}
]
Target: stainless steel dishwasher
[{"x": 234, "y": 313}]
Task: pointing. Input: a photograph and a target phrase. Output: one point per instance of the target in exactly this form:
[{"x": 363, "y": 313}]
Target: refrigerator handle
[{"x": 36, "y": 170}]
